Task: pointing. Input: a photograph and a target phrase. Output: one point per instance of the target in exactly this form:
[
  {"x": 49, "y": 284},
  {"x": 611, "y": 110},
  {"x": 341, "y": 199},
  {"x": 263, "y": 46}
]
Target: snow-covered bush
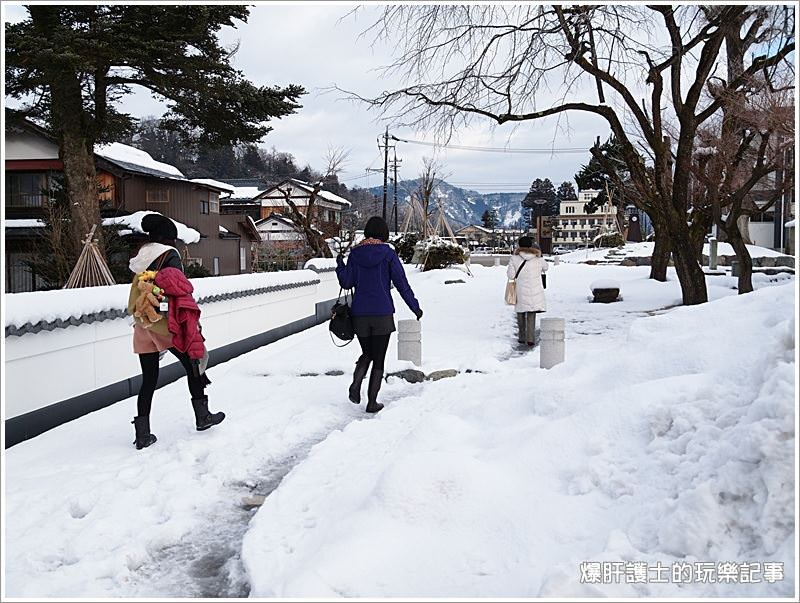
[
  {"x": 609, "y": 239},
  {"x": 404, "y": 245},
  {"x": 440, "y": 253}
]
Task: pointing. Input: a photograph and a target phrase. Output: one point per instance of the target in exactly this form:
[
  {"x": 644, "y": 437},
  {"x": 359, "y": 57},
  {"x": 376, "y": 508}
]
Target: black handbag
[
  {"x": 341, "y": 324},
  {"x": 544, "y": 280}
]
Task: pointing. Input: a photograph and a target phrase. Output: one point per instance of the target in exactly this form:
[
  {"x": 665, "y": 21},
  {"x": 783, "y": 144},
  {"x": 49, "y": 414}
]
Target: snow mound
[
  {"x": 675, "y": 447},
  {"x": 605, "y": 283}
]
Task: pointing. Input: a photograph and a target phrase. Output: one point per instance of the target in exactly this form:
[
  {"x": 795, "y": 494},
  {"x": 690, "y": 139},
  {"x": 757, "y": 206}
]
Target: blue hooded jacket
[{"x": 369, "y": 269}]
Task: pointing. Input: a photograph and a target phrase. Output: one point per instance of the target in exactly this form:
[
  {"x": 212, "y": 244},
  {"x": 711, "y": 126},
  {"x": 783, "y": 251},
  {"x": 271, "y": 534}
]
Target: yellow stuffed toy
[{"x": 147, "y": 302}]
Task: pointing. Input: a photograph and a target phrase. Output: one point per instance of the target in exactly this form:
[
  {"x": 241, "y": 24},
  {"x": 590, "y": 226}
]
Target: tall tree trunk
[
  {"x": 81, "y": 182},
  {"x": 737, "y": 241},
  {"x": 697, "y": 233},
  {"x": 690, "y": 273},
  {"x": 74, "y": 131},
  {"x": 661, "y": 251}
]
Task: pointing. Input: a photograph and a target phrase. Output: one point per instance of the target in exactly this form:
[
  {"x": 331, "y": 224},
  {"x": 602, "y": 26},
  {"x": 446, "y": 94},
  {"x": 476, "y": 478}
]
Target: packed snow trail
[{"x": 87, "y": 515}]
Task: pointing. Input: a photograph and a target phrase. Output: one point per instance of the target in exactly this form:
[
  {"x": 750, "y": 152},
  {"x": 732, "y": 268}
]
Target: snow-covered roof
[
  {"x": 244, "y": 193},
  {"x": 215, "y": 184},
  {"x": 223, "y": 229},
  {"x": 484, "y": 229},
  {"x": 136, "y": 160},
  {"x": 28, "y": 223},
  {"x": 308, "y": 188},
  {"x": 133, "y": 222},
  {"x": 275, "y": 217}
]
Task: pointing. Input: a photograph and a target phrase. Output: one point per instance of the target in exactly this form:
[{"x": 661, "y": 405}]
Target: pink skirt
[{"x": 146, "y": 341}]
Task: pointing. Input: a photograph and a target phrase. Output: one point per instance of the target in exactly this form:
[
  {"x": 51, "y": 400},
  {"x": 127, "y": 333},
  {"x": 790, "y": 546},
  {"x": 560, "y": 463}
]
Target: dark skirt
[{"x": 373, "y": 325}]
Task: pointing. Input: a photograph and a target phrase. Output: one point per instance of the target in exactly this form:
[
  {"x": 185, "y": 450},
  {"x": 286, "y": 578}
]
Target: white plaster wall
[
  {"x": 762, "y": 234},
  {"x": 50, "y": 366}
]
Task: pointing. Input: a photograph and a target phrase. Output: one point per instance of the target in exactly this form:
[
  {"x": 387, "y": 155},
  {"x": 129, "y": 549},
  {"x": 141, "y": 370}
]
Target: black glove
[{"x": 418, "y": 313}]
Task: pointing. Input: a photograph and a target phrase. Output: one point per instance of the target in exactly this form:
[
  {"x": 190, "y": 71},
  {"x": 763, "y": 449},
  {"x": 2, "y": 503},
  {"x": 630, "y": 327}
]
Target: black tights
[
  {"x": 149, "y": 364},
  {"x": 374, "y": 348}
]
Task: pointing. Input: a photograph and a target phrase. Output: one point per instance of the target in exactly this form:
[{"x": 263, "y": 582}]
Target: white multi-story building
[{"x": 573, "y": 226}]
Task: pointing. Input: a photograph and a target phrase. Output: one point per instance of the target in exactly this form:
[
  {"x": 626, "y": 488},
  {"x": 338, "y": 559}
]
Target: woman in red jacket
[{"x": 182, "y": 342}]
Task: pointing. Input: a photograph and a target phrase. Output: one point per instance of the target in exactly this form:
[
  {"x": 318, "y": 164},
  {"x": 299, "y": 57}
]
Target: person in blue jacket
[{"x": 370, "y": 268}]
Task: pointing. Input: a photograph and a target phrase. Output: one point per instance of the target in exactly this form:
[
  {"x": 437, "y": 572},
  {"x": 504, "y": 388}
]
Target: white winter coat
[{"x": 530, "y": 292}]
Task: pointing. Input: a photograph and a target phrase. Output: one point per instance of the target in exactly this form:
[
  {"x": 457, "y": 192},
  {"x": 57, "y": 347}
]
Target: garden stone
[
  {"x": 410, "y": 375},
  {"x": 443, "y": 374}
]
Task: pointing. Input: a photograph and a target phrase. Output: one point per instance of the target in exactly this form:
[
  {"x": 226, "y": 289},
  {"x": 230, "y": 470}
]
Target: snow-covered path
[{"x": 430, "y": 488}]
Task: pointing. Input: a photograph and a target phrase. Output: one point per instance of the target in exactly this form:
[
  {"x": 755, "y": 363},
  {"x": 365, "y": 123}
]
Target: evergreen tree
[
  {"x": 489, "y": 218},
  {"x": 610, "y": 175},
  {"x": 77, "y": 61},
  {"x": 541, "y": 200},
  {"x": 252, "y": 164},
  {"x": 566, "y": 191}
]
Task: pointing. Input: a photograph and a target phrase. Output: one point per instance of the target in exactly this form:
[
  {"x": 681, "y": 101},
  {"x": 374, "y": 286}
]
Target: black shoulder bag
[{"x": 341, "y": 324}]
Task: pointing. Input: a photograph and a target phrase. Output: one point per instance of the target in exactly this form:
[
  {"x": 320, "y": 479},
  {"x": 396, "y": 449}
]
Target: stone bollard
[
  {"x": 496, "y": 261},
  {"x": 551, "y": 351},
  {"x": 556, "y": 261},
  {"x": 734, "y": 268},
  {"x": 409, "y": 341},
  {"x": 712, "y": 254}
]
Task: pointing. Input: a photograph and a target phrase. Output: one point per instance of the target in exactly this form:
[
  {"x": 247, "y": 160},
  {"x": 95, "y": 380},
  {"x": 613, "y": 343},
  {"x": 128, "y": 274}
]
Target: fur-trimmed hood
[{"x": 529, "y": 250}]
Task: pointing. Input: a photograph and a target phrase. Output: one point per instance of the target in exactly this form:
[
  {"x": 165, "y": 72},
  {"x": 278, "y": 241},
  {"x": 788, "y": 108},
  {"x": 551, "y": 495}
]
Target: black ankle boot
[
  {"x": 362, "y": 366},
  {"x": 203, "y": 418},
  {"x": 143, "y": 436},
  {"x": 375, "y": 378}
]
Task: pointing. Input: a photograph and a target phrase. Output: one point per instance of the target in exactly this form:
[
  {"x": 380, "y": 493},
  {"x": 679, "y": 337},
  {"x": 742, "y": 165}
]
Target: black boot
[
  {"x": 362, "y": 366},
  {"x": 203, "y": 418},
  {"x": 143, "y": 436},
  {"x": 375, "y": 378}
]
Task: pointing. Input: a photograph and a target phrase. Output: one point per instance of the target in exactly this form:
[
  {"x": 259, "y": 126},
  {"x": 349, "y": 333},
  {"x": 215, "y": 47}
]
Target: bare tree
[
  {"x": 744, "y": 170},
  {"x": 427, "y": 183},
  {"x": 499, "y": 62},
  {"x": 308, "y": 221}
]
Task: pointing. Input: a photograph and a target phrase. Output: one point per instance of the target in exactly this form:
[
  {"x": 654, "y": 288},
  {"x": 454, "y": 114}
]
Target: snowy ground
[
  {"x": 667, "y": 435},
  {"x": 645, "y": 249}
]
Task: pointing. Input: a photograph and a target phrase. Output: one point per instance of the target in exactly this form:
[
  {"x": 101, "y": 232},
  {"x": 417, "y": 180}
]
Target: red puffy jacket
[{"x": 184, "y": 314}]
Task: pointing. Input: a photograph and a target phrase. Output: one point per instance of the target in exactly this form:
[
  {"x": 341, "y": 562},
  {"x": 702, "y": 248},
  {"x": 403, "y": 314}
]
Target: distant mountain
[{"x": 462, "y": 206}]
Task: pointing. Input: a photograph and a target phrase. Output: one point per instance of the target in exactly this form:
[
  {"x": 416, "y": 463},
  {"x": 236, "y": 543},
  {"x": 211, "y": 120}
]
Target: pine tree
[
  {"x": 489, "y": 218},
  {"x": 68, "y": 59},
  {"x": 610, "y": 176},
  {"x": 541, "y": 200},
  {"x": 566, "y": 191}
]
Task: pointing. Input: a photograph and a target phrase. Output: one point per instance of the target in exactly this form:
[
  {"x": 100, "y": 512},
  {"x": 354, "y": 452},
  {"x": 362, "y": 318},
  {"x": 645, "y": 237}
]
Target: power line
[{"x": 532, "y": 151}]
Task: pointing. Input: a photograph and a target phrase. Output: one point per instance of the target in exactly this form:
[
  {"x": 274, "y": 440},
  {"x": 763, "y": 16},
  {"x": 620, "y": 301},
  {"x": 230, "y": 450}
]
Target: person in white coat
[{"x": 529, "y": 266}]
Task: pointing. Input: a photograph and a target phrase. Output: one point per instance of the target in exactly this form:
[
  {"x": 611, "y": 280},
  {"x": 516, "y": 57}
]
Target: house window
[
  {"x": 242, "y": 259},
  {"x": 331, "y": 216},
  {"x": 216, "y": 266},
  {"x": 204, "y": 206},
  {"x": 157, "y": 195},
  {"x": 213, "y": 203},
  {"x": 25, "y": 189}
]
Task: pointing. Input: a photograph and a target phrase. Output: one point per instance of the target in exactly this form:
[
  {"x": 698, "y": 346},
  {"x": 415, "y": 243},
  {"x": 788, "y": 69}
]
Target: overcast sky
[{"x": 318, "y": 46}]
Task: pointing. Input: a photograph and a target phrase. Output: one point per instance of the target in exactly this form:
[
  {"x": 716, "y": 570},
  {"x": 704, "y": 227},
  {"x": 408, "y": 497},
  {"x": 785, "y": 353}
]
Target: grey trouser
[{"x": 526, "y": 321}]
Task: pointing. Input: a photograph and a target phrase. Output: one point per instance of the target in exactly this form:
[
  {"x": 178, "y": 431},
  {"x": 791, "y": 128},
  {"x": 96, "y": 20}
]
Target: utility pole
[
  {"x": 395, "y": 163},
  {"x": 385, "y": 168}
]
